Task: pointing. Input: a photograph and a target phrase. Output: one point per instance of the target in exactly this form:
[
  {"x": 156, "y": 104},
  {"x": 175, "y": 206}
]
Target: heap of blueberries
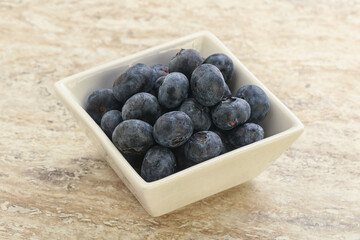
[{"x": 167, "y": 118}]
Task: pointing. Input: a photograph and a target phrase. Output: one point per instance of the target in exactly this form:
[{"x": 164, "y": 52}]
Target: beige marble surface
[{"x": 54, "y": 185}]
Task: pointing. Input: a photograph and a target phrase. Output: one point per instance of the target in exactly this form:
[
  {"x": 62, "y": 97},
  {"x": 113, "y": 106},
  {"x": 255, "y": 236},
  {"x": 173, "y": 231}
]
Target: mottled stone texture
[{"x": 54, "y": 185}]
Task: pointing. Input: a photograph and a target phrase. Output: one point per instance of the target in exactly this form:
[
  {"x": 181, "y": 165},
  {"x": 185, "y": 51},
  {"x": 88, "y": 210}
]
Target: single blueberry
[
  {"x": 185, "y": 61},
  {"x": 136, "y": 79},
  {"x": 159, "y": 162},
  {"x": 258, "y": 101},
  {"x": 99, "y": 102},
  {"x": 207, "y": 85},
  {"x": 198, "y": 113},
  {"x": 245, "y": 134},
  {"x": 142, "y": 106},
  {"x": 202, "y": 146},
  {"x": 133, "y": 138},
  {"x": 173, "y": 129},
  {"x": 223, "y": 63},
  {"x": 174, "y": 90},
  {"x": 230, "y": 112},
  {"x": 109, "y": 121}
]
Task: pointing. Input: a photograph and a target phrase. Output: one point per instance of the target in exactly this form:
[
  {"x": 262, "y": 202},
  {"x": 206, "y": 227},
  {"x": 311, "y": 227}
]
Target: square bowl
[{"x": 281, "y": 128}]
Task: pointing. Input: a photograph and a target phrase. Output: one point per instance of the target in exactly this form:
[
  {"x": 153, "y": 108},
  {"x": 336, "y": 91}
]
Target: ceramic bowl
[{"x": 281, "y": 128}]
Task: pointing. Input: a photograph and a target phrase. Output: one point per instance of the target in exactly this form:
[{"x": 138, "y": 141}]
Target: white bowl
[{"x": 281, "y": 128}]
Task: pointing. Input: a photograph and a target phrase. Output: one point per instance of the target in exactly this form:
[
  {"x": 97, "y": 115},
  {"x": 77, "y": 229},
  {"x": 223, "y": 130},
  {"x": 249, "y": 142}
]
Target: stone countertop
[{"x": 54, "y": 185}]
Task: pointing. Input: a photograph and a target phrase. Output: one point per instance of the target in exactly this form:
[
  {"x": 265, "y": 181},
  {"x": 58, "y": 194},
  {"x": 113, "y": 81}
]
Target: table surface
[{"x": 53, "y": 183}]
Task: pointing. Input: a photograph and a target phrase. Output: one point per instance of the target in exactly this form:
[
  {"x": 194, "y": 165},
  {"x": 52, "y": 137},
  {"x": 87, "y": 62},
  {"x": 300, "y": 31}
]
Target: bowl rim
[{"x": 68, "y": 98}]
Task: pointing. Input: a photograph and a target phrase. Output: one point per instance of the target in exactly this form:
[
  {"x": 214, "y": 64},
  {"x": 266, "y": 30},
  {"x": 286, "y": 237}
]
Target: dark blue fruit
[
  {"x": 159, "y": 162},
  {"x": 230, "y": 112},
  {"x": 227, "y": 91},
  {"x": 224, "y": 138},
  {"x": 185, "y": 61},
  {"x": 173, "y": 129},
  {"x": 133, "y": 138},
  {"x": 258, "y": 101},
  {"x": 198, "y": 113},
  {"x": 142, "y": 106},
  {"x": 223, "y": 63},
  {"x": 159, "y": 70},
  {"x": 157, "y": 84},
  {"x": 136, "y": 79},
  {"x": 202, "y": 146},
  {"x": 99, "y": 102},
  {"x": 109, "y": 121},
  {"x": 207, "y": 85},
  {"x": 181, "y": 161},
  {"x": 245, "y": 134},
  {"x": 173, "y": 90}
]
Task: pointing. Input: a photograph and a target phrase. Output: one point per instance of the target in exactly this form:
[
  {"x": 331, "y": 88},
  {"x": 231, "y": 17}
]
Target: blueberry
[
  {"x": 245, "y": 134},
  {"x": 173, "y": 129},
  {"x": 198, "y": 113},
  {"x": 133, "y": 138},
  {"x": 157, "y": 84},
  {"x": 258, "y": 101},
  {"x": 230, "y": 112},
  {"x": 99, "y": 102},
  {"x": 174, "y": 90},
  {"x": 227, "y": 91},
  {"x": 224, "y": 138},
  {"x": 207, "y": 85},
  {"x": 136, "y": 79},
  {"x": 142, "y": 106},
  {"x": 185, "y": 61},
  {"x": 181, "y": 161},
  {"x": 202, "y": 146},
  {"x": 159, "y": 162},
  {"x": 159, "y": 70},
  {"x": 109, "y": 121},
  {"x": 223, "y": 63}
]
